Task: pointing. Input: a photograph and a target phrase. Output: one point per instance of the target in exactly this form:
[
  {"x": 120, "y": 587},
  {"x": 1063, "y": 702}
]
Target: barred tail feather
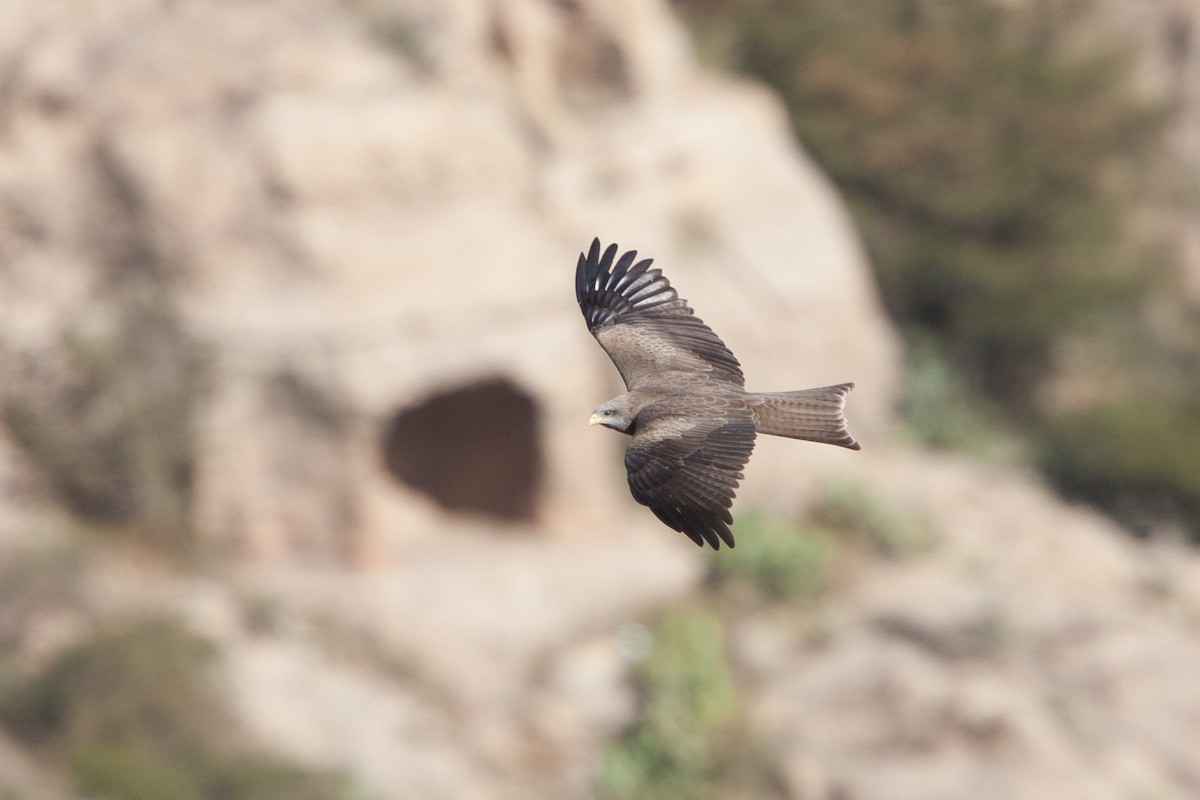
[{"x": 816, "y": 415}]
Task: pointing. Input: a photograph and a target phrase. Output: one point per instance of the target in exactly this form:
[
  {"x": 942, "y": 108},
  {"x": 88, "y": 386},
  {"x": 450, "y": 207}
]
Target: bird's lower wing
[{"x": 686, "y": 470}]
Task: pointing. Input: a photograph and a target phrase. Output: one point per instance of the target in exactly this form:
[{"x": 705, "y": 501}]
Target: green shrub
[
  {"x": 143, "y": 681},
  {"x": 940, "y": 411},
  {"x": 681, "y": 746},
  {"x": 121, "y": 771},
  {"x": 849, "y": 510},
  {"x": 134, "y": 715},
  {"x": 781, "y": 560},
  {"x": 1137, "y": 458}
]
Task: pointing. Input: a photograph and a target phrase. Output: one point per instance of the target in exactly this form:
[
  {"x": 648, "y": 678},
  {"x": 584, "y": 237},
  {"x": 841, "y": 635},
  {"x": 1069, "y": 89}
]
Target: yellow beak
[{"x": 595, "y": 420}]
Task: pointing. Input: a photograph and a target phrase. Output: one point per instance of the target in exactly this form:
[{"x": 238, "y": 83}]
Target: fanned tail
[{"x": 816, "y": 415}]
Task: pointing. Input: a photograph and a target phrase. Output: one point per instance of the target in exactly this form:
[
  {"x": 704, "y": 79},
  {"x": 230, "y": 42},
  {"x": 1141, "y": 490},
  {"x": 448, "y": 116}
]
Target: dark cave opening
[{"x": 476, "y": 448}]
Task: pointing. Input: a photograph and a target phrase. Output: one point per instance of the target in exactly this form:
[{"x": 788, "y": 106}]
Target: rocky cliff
[{"x": 296, "y": 278}]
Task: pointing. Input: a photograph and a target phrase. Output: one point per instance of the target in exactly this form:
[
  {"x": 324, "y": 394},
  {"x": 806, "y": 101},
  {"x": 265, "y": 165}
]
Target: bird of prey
[{"x": 691, "y": 420}]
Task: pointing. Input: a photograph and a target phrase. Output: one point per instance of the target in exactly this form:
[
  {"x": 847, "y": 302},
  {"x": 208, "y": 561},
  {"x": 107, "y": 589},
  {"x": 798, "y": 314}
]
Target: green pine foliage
[
  {"x": 984, "y": 168},
  {"x": 1140, "y": 456},
  {"x": 993, "y": 155}
]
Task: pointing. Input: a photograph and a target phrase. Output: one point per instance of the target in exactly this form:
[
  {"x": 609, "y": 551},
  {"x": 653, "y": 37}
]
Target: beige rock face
[
  {"x": 1034, "y": 651},
  {"x": 379, "y": 223},
  {"x": 349, "y": 208}
]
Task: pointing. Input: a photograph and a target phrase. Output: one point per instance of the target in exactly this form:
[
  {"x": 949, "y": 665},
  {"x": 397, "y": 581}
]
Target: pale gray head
[{"x": 614, "y": 414}]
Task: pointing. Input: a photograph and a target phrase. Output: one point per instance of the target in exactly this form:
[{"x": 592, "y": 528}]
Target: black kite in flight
[{"x": 691, "y": 419}]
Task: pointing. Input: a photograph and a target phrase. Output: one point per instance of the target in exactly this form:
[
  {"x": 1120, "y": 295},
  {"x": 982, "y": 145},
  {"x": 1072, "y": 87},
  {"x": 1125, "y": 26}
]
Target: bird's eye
[{"x": 608, "y": 412}]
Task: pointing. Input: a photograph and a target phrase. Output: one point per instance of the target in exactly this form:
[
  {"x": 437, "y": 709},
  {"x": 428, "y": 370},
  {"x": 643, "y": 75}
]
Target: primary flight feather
[{"x": 691, "y": 420}]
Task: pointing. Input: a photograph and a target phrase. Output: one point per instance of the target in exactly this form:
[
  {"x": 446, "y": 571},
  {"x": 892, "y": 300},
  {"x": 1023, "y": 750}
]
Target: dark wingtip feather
[
  {"x": 693, "y": 524},
  {"x": 581, "y": 278},
  {"x": 726, "y": 535},
  {"x": 606, "y": 290},
  {"x": 606, "y": 260}
]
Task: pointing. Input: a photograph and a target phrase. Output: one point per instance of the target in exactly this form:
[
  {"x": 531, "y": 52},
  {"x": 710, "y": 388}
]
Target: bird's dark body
[{"x": 691, "y": 420}]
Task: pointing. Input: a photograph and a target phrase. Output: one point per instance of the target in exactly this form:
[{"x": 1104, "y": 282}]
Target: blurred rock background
[{"x": 296, "y": 494}]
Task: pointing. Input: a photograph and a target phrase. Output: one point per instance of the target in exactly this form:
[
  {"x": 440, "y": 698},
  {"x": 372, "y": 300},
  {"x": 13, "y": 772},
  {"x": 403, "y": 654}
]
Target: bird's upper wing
[
  {"x": 645, "y": 327},
  {"x": 686, "y": 466}
]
